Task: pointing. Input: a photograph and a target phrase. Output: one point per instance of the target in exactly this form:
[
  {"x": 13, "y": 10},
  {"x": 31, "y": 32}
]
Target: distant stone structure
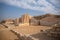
[
  {"x": 25, "y": 19},
  {"x": 9, "y": 21},
  {"x": 33, "y": 21},
  {"x": 17, "y": 21}
]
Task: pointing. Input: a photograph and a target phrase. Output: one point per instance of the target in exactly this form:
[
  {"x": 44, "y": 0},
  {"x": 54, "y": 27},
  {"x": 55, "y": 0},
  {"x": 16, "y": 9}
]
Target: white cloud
[
  {"x": 49, "y": 7},
  {"x": 55, "y": 1},
  {"x": 27, "y": 4}
]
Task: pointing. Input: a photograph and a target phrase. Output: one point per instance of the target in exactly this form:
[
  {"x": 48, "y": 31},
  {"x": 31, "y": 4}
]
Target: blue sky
[{"x": 16, "y": 8}]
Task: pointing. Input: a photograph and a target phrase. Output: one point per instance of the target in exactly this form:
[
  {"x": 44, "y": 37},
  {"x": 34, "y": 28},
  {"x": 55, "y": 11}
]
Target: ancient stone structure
[
  {"x": 25, "y": 19},
  {"x": 9, "y": 21},
  {"x": 17, "y": 20},
  {"x": 33, "y": 21}
]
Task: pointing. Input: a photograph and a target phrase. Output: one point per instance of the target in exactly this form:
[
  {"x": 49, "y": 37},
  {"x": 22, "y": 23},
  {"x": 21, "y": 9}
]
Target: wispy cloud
[{"x": 38, "y": 5}]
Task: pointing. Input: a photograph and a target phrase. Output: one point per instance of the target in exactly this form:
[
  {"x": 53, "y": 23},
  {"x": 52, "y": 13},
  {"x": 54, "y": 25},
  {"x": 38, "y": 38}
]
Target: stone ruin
[{"x": 25, "y": 19}]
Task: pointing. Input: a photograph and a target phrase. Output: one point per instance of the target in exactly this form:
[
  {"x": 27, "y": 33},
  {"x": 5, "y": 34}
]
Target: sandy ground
[
  {"x": 25, "y": 29},
  {"x": 30, "y": 29},
  {"x": 7, "y": 35},
  {"x": 1, "y": 26}
]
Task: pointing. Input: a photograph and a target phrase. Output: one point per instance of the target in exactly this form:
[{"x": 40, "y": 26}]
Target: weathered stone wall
[{"x": 25, "y": 19}]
